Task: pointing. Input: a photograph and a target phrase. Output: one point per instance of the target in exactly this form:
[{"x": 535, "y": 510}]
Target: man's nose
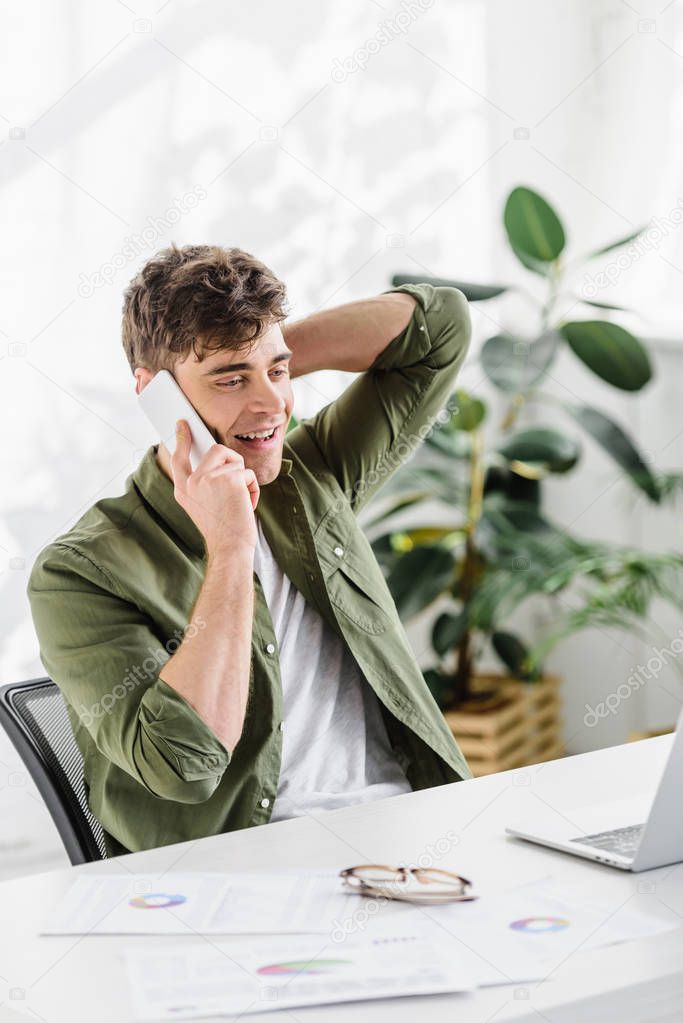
[{"x": 267, "y": 395}]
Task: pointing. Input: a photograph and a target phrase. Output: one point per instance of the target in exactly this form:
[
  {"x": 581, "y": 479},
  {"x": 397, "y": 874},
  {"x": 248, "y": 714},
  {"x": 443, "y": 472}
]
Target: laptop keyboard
[{"x": 624, "y": 841}]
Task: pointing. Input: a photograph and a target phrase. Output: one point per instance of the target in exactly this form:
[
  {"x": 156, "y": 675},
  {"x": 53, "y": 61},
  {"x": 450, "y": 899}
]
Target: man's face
[{"x": 244, "y": 392}]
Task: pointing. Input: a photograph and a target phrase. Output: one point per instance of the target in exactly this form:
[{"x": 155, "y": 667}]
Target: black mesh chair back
[{"x": 35, "y": 718}]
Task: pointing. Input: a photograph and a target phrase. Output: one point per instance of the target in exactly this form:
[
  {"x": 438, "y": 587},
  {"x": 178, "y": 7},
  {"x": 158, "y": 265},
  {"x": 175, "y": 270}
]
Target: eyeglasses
[{"x": 410, "y": 884}]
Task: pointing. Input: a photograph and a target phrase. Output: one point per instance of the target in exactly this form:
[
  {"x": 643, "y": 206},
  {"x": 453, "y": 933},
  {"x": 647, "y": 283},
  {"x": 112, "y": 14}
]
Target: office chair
[{"x": 34, "y": 715}]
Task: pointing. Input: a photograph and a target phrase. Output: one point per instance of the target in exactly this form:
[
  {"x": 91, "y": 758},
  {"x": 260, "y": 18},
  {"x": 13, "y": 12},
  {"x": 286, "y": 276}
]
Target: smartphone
[{"x": 163, "y": 402}]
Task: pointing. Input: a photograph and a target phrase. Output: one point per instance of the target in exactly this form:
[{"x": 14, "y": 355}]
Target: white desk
[{"x": 82, "y": 978}]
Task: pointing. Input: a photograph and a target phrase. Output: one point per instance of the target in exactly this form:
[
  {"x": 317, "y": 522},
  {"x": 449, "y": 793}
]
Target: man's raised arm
[
  {"x": 348, "y": 337},
  {"x": 406, "y": 378}
]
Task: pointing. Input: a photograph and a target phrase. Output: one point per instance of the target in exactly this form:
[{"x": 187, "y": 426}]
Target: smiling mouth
[{"x": 260, "y": 440}]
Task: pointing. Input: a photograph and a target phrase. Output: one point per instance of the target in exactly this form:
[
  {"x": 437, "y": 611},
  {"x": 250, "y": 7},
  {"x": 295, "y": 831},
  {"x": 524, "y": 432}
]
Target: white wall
[{"x": 115, "y": 113}]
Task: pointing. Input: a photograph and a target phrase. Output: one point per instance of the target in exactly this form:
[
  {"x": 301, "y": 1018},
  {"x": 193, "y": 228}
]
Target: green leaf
[
  {"x": 507, "y": 530},
  {"x": 419, "y": 577},
  {"x": 538, "y": 267},
  {"x": 468, "y": 414},
  {"x": 430, "y": 473},
  {"x": 618, "y": 444},
  {"x": 421, "y": 536},
  {"x": 439, "y": 486},
  {"x": 500, "y": 479},
  {"x": 518, "y": 516},
  {"x": 617, "y": 245},
  {"x": 533, "y": 228},
  {"x": 516, "y": 366},
  {"x": 604, "y": 305},
  {"x": 611, "y": 352},
  {"x": 384, "y": 552},
  {"x": 472, "y": 292},
  {"x": 671, "y": 484},
  {"x": 541, "y": 446},
  {"x": 396, "y": 506},
  {"x": 623, "y": 584},
  {"x": 448, "y": 631},
  {"x": 513, "y": 653},
  {"x": 455, "y": 444},
  {"x": 439, "y": 686}
]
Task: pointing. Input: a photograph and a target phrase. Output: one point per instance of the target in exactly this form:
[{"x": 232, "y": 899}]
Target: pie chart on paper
[
  {"x": 311, "y": 966},
  {"x": 540, "y": 924},
  {"x": 156, "y": 900}
]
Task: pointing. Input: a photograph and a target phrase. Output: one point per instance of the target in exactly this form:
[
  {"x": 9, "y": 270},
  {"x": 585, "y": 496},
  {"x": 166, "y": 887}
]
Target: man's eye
[{"x": 234, "y": 381}]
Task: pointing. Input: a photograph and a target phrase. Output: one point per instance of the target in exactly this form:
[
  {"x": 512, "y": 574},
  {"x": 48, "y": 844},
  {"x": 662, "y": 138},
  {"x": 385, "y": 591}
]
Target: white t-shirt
[{"x": 335, "y": 747}]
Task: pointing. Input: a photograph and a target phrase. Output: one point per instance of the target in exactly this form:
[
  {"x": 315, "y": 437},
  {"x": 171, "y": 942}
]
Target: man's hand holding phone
[
  {"x": 212, "y": 670},
  {"x": 220, "y": 496}
]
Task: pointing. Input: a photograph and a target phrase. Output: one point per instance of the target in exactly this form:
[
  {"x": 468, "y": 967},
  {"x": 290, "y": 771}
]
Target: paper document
[
  {"x": 181, "y": 903},
  {"x": 190, "y": 980},
  {"x": 525, "y": 933}
]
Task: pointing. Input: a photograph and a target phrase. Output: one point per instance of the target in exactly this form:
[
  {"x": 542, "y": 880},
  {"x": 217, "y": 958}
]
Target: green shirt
[{"x": 111, "y": 598}]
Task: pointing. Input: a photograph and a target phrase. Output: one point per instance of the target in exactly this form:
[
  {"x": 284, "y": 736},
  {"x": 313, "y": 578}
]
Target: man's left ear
[{"x": 142, "y": 378}]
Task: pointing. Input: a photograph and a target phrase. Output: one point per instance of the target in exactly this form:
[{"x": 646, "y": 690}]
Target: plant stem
[
  {"x": 555, "y": 281},
  {"x": 476, "y": 481},
  {"x": 515, "y": 407},
  {"x": 463, "y": 654},
  {"x": 554, "y": 290}
]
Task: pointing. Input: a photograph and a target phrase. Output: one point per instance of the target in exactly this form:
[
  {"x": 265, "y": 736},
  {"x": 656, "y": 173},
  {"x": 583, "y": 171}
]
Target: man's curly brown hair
[{"x": 199, "y": 298}]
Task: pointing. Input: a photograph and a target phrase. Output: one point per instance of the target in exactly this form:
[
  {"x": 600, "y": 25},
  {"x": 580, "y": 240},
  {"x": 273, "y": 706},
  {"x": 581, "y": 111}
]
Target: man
[{"x": 225, "y": 641}]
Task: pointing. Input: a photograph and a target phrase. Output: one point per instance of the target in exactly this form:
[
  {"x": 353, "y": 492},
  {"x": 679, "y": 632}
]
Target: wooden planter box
[
  {"x": 524, "y": 728},
  {"x": 650, "y": 733}
]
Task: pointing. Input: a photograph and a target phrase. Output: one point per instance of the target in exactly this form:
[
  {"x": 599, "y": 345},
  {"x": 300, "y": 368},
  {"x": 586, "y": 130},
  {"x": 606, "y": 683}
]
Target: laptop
[{"x": 620, "y": 833}]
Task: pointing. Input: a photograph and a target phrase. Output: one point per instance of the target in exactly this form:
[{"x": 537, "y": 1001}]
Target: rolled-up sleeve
[
  {"x": 371, "y": 429},
  {"x": 106, "y": 658}
]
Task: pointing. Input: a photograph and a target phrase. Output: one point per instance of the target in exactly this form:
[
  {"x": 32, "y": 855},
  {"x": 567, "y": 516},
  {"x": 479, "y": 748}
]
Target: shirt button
[
  {"x": 294, "y": 509},
  {"x": 282, "y": 726},
  {"x": 421, "y": 328},
  {"x": 265, "y": 803},
  {"x": 339, "y": 551},
  {"x": 270, "y": 648}
]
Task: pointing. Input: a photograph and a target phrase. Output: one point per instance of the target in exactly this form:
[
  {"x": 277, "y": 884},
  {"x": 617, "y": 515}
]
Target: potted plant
[{"x": 496, "y": 547}]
